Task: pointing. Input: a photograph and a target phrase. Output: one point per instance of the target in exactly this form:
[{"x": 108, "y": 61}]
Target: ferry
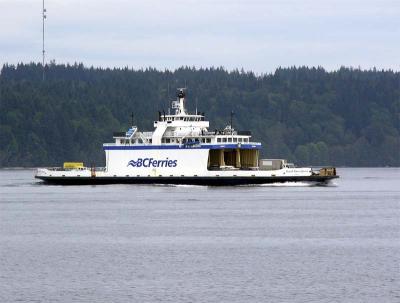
[{"x": 182, "y": 150}]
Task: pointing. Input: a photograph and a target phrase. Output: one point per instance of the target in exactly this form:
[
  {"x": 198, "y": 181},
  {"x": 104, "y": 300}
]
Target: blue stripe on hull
[{"x": 220, "y": 146}]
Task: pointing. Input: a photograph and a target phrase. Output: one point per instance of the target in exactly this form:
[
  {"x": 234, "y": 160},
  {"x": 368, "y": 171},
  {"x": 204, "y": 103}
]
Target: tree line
[{"x": 348, "y": 117}]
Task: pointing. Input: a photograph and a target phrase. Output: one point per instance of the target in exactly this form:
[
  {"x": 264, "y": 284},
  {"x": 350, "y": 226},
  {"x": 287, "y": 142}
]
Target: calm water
[{"x": 129, "y": 243}]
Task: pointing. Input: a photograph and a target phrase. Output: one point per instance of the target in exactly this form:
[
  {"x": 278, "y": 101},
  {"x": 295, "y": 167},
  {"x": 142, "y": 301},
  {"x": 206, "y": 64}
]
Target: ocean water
[{"x": 141, "y": 243}]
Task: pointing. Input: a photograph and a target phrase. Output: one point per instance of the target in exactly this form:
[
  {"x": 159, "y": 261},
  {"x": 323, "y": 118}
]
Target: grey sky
[{"x": 256, "y": 35}]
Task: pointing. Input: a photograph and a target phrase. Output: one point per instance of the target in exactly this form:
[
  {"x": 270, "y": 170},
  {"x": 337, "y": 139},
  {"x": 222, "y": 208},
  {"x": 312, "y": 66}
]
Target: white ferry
[{"x": 181, "y": 150}]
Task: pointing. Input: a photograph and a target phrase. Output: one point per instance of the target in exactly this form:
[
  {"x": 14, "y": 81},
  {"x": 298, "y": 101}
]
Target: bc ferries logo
[{"x": 150, "y": 162}]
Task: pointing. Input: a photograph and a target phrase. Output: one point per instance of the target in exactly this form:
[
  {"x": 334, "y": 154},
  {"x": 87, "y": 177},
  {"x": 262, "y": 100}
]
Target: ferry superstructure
[{"x": 182, "y": 150}]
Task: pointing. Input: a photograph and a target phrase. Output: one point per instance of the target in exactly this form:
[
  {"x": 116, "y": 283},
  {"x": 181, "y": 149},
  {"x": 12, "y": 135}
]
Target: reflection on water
[{"x": 142, "y": 243}]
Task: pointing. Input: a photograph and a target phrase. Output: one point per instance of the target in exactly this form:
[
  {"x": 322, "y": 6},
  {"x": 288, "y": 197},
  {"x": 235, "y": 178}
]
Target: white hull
[{"x": 176, "y": 162}]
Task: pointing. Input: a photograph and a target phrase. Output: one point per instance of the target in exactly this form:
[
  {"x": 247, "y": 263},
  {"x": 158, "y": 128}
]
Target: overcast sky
[{"x": 251, "y": 34}]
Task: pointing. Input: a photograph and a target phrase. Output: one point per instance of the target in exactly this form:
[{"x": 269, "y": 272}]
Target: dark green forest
[{"x": 348, "y": 117}]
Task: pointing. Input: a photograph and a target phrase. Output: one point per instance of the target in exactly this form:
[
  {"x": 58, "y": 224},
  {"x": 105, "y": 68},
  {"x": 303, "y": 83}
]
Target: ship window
[
  {"x": 235, "y": 139},
  {"x": 246, "y": 139},
  {"x": 203, "y": 140},
  {"x": 240, "y": 139},
  {"x": 208, "y": 140},
  {"x": 229, "y": 139},
  {"x": 150, "y": 140},
  {"x": 140, "y": 141},
  {"x": 223, "y": 139},
  {"x": 218, "y": 139},
  {"x": 168, "y": 140}
]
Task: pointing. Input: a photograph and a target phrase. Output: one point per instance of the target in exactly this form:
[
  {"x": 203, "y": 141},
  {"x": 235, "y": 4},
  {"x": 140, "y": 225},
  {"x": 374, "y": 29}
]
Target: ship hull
[{"x": 205, "y": 181}]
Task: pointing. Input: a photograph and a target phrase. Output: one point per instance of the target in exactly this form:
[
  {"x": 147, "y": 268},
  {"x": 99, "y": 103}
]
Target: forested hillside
[{"x": 347, "y": 118}]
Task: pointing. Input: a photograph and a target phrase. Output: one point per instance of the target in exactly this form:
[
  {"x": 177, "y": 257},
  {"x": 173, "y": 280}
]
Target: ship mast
[{"x": 181, "y": 98}]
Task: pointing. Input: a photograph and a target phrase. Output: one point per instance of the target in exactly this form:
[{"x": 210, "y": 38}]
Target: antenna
[
  {"x": 43, "y": 51},
  {"x": 232, "y": 113},
  {"x": 169, "y": 101}
]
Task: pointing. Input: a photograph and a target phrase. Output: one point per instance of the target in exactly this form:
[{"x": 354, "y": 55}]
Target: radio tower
[{"x": 43, "y": 51}]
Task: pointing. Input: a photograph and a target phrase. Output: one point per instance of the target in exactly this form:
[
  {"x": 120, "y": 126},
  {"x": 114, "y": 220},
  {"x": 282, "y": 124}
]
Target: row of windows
[
  {"x": 133, "y": 141},
  {"x": 166, "y": 140},
  {"x": 184, "y": 119},
  {"x": 234, "y": 140},
  {"x": 202, "y": 140}
]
